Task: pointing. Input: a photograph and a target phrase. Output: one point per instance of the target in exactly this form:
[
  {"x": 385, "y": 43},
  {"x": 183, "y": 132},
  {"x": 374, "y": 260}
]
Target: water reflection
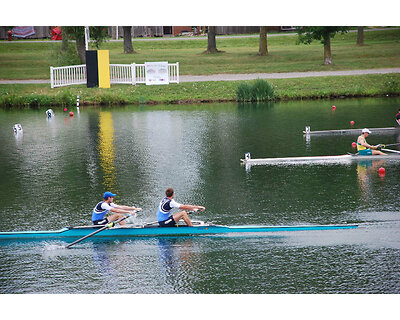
[
  {"x": 104, "y": 267},
  {"x": 106, "y": 149},
  {"x": 365, "y": 169},
  {"x": 102, "y": 258},
  {"x": 307, "y": 138},
  {"x": 167, "y": 260},
  {"x": 176, "y": 257},
  {"x": 19, "y": 137}
]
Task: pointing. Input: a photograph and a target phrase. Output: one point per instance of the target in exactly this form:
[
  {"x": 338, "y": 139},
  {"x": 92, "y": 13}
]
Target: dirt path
[
  {"x": 284, "y": 75},
  {"x": 251, "y": 76}
]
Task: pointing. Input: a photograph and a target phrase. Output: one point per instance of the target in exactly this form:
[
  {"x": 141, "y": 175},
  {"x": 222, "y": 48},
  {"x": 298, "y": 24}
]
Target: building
[{"x": 45, "y": 32}]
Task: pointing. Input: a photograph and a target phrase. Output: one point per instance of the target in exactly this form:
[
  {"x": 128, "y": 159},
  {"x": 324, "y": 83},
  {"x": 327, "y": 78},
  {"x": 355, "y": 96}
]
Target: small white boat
[
  {"x": 316, "y": 159},
  {"x": 387, "y": 130}
]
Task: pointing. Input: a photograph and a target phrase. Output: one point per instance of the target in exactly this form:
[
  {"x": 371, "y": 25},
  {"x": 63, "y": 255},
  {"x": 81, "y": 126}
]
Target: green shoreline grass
[{"x": 42, "y": 96}]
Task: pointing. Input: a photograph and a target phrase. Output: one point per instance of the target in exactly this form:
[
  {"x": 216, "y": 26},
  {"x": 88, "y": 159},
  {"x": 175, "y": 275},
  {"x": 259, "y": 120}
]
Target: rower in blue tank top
[
  {"x": 164, "y": 217},
  {"x": 107, "y": 205}
]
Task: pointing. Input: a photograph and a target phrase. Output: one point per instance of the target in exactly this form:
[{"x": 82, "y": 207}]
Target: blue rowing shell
[{"x": 153, "y": 231}]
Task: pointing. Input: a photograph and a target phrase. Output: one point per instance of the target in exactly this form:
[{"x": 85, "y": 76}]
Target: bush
[
  {"x": 68, "y": 57},
  {"x": 263, "y": 90},
  {"x": 258, "y": 90},
  {"x": 243, "y": 92}
]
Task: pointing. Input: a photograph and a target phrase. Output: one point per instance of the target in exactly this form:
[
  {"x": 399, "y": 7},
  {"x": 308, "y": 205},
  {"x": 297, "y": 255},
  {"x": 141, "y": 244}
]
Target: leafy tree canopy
[
  {"x": 98, "y": 34},
  {"x": 308, "y": 34}
]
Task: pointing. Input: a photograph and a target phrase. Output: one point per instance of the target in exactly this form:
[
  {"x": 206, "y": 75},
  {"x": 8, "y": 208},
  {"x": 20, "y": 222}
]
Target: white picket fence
[
  {"x": 119, "y": 73},
  {"x": 122, "y": 73},
  {"x": 66, "y": 76}
]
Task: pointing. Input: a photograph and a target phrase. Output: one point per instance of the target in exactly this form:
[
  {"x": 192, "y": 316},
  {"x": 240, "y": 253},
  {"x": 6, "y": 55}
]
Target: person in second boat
[
  {"x": 397, "y": 116},
  {"x": 164, "y": 216},
  {"x": 365, "y": 149}
]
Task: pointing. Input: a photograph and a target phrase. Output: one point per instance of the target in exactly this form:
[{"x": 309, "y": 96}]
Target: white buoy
[
  {"x": 17, "y": 128},
  {"x": 49, "y": 113}
]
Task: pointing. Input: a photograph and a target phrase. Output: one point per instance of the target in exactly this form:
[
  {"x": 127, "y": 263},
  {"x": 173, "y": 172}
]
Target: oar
[
  {"x": 392, "y": 144},
  {"x": 390, "y": 150},
  {"x": 109, "y": 225}
]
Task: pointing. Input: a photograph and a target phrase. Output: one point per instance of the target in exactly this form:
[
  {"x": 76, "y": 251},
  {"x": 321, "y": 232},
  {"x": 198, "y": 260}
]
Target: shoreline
[{"x": 21, "y": 96}]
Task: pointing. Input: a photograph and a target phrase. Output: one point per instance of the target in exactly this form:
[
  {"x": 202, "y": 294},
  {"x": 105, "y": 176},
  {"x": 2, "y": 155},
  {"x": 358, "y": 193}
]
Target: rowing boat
[
  {"x": 351, "y": 131},
  {"x": 345, "y": 158},
  {"x": 152, "y": 230}
]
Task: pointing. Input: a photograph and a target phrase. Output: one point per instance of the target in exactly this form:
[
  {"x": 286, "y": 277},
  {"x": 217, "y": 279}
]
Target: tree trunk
[
  {"x": 114, "y": 33},
  {"x": 128, "y": 40},
  {"x": 263, "y": 48},
  {"x": 360, "y": 36},
  {"x": 211, "y": 43},
  {"x": 64, "y": 41},
  {"x": 80, "y": 46},
  {"x": 327, "y": 49}
]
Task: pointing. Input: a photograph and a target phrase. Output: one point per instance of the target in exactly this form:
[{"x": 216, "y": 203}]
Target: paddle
[{"x": 109, "y": 225}]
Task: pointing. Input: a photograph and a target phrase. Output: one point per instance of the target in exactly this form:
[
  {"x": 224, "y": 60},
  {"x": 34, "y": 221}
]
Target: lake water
[{"x": 57, "y": 170}]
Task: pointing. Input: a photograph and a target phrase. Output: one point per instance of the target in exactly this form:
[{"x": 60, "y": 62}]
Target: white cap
[{"x": 365, "y": 130}]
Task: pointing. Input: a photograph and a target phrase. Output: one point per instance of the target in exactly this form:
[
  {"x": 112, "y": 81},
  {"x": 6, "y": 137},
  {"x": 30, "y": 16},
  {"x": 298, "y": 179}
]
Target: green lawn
[
  {"x": 42, "y": 96},
  {"x": 20, "y": 60}
]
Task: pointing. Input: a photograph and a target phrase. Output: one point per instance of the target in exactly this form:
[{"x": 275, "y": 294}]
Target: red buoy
[
  {"x": 382, "y": 170},
  {"x": 65, "y": 109},
  {"x": 352, "y": 122},
  {"x": 333, "y": 107},
  {"x": 71, "y": 114},
  {"x": 353, "y": 144}
]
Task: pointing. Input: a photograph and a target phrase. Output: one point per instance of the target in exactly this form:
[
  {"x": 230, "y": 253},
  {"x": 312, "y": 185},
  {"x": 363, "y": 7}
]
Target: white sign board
[{"x": 156, "y": 73}]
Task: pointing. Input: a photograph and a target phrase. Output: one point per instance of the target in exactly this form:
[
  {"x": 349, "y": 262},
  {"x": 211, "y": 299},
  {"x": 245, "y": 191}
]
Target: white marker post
[{"x": 87, "y": 38}]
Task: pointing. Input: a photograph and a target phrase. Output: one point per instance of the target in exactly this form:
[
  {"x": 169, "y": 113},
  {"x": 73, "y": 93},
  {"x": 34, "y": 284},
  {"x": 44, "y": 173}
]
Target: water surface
[{"x": 56, "y": 171}]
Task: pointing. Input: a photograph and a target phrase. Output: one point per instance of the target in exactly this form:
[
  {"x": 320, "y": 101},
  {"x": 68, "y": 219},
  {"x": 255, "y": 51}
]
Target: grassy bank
[
  {"x": 42, "y": 96},
  {"x": 20, "y": 60}
]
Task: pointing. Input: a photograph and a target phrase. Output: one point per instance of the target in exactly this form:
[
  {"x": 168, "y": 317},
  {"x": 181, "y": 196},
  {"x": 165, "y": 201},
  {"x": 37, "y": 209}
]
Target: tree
[
  {"x": 79, "y": 34},
  {"x": 98, "y": 34},
  {"x": 128, "y": 40},
  {"x": 263, "y": 48},
  {"x": 360, "y": 36},
  {"x": 211, "y": 43},
  {"x": 64, "y": 41},
  {"x": 308, "y": 34}
]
